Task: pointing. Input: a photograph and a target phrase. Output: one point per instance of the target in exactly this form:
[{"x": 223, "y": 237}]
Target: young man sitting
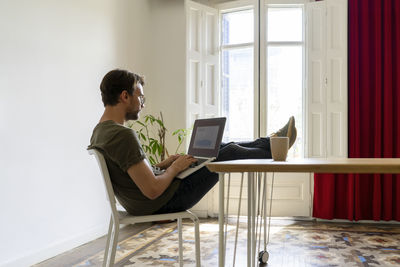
[{"x": 136, "y": 187}]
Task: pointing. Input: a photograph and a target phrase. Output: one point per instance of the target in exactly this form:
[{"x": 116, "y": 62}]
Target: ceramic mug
[{"x": 279, "y": 148}]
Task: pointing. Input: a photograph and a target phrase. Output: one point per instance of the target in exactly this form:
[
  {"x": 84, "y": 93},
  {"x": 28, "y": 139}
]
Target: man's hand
[
  {"x": 167, "y": 162},
  {"x": 183, "y": 162}
]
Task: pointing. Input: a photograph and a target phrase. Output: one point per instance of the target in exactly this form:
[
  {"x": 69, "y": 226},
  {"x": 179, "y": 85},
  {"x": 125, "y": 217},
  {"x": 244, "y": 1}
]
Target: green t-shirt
[{"x": 121, "y": 149}]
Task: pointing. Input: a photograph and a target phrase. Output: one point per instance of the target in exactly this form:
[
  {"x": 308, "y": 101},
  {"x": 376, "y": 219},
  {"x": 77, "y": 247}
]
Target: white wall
[
  {"x": 165, "y": 64},
  {"x": 53, "y": 55}
]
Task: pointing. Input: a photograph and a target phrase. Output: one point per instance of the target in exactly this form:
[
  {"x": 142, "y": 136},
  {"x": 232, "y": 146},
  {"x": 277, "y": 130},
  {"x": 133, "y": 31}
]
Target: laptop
[{"x": 204, "y": 143}]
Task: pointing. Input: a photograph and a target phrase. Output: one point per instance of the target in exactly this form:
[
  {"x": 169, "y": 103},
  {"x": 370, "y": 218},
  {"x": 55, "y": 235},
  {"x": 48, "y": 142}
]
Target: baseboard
[
  {"x": 360, "y": 221},
  {"x": 243, "y": 218},
  {"x": 56, "y": 248}
]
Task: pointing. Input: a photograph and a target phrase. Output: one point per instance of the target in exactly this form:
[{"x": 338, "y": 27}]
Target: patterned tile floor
[{"x": 292, "y": 243}]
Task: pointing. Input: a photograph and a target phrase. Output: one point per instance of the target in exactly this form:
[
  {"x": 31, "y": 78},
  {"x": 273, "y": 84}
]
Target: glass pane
[
  {"x": 285, "y": 92},
  {"x": 238, "y": 94},
  {"x": 285, "y": 24},
  {"x": 237, "y": 27}
]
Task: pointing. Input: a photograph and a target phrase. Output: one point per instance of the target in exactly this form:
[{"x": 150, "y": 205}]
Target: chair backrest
[{"x": 106, "y": 178}]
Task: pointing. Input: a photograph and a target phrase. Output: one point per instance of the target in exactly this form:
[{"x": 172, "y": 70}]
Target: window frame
[
  {"x": 264, "y": 64},
  {"x": 231, "y": 7},
  {"x": 260, "y": 57}
]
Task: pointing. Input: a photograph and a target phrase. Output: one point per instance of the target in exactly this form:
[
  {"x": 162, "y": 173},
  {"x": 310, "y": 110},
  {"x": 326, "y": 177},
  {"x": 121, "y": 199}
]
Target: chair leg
[
  {"x": 180, "y": 242},
  {"x": 114, "y": 242},
  {"x": 110, "y": 227},
  {"x": 197, "y": 241}
]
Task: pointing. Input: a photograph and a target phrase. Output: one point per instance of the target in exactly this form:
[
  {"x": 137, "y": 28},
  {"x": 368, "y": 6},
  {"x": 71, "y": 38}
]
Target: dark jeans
[{"x": 193, "y": 188}]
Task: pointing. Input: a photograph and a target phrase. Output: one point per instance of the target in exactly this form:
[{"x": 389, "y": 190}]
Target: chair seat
[{"x": 126, "y": 218}]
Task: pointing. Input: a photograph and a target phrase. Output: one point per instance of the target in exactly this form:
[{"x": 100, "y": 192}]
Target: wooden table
[{"x": 312, "y": 165}]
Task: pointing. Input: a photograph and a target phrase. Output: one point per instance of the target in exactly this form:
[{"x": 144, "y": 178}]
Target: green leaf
[
  {"x": 160, "y": 123},
  {"x": 154, "y": 149},
  {"x": 152, "y": 161}
]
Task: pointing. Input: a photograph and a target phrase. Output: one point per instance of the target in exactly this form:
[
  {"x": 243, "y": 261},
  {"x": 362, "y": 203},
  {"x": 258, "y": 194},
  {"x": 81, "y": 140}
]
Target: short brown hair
[{"x": 115, "y": 82}]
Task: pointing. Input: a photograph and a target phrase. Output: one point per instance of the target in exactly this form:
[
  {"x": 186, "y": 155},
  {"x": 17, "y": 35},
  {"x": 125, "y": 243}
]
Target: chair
[{"x": 122, "y": 217}]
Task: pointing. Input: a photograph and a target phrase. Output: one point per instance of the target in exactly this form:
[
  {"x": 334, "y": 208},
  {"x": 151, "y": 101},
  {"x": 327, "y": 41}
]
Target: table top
[{"x": 316, "y": 165}]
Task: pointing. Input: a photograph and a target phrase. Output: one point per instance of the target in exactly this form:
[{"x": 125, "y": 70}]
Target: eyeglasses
[{"x": 142, "y": 99}]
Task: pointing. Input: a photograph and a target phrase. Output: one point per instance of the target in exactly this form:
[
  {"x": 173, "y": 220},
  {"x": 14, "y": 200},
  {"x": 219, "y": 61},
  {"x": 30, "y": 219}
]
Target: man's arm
[{"x": 153, "y": 186}]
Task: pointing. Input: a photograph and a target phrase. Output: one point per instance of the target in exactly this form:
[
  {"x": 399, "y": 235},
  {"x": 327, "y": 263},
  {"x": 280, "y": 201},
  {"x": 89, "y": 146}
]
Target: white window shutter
[
  {"x": 193, "y": 61},
  {"x": 202, "y": 81},
  {"x": 336, "y": 59},
  {"x": 327, "y": 79},
  {"x": 202, "y": 62},
  {"x": 316, "y": 80}
]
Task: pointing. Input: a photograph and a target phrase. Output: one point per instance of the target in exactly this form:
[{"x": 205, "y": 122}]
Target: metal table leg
[
  {"x": 264, "y": 255},
  {"x": 221, "y": 249},
  {"x": 253, "y": 219},
  {"x": 249, "y": 214}
]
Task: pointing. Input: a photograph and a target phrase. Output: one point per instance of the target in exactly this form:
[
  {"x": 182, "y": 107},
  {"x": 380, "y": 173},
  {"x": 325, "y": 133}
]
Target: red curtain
[{"x": 374, "y": 116}]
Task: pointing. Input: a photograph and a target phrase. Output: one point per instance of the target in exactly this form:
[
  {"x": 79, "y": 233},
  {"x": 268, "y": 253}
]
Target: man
[{"x": 136, "y": 187}]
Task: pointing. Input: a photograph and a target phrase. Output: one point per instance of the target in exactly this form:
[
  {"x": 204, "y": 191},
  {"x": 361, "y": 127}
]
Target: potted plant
[{"x": 151, "y": 131}]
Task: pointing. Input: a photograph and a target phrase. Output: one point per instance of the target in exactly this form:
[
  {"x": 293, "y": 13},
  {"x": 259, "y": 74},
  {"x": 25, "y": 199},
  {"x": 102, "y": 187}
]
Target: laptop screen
[{"x": 207, "y": 137}]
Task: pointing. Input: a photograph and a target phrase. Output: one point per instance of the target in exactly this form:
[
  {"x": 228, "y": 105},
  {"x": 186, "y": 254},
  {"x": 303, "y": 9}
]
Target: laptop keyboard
[{"x": 199, "y": 161}]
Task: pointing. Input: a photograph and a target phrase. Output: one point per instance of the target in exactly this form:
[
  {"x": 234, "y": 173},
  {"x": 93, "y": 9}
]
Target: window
[
  {"x": 237, "y": 74},
  {"x": 285, "y": 69},
  {"x": 283, "y": 72}
]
